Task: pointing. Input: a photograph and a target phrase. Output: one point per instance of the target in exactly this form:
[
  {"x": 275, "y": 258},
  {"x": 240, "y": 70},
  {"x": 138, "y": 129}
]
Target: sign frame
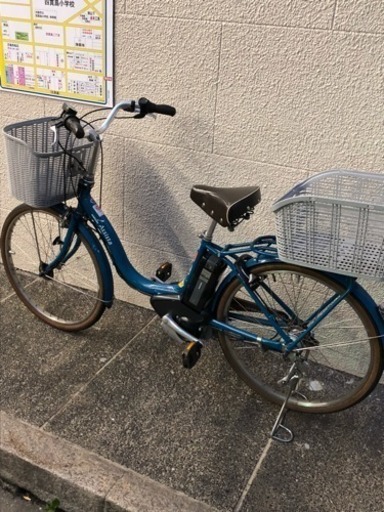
[{"x": 63, "y": 50}]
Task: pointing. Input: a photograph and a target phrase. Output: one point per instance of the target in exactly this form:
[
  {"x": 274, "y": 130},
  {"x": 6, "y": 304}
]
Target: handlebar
[
  {"x": 147, "y": 107},
  {"x": 140, "y": 108},
  {"x": 73, "y": 124}
]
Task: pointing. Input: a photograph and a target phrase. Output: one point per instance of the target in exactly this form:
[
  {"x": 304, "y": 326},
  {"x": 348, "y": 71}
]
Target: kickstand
[{"x": 279, "y": 431}]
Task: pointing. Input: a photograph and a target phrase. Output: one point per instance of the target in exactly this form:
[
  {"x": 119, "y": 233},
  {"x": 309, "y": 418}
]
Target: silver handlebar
[
  {"x": 93, "y": 134},
  {"x": 123, "y": 105}
]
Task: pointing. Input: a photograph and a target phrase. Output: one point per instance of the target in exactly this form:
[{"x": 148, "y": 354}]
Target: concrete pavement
[
  {"x": 11, "y": 501},
  {"x": 108, "y": 420}
]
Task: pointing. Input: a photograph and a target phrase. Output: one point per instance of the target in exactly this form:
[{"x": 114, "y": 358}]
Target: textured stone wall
[{"x": 267, "y": 92}]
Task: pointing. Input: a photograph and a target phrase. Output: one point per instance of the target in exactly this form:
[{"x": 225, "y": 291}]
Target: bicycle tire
[
  {"x": 70, "y": 299},
  {"x": 338, "y": 377}
]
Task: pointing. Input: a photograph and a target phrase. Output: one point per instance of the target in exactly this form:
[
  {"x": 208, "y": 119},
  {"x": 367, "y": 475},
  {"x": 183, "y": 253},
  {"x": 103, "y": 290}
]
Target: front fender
[{"x": 101, "y": 258}]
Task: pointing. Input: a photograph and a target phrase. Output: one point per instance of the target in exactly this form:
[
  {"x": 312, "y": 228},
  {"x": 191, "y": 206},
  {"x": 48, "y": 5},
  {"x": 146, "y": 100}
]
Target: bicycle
[{"x": 273, "y": 318}]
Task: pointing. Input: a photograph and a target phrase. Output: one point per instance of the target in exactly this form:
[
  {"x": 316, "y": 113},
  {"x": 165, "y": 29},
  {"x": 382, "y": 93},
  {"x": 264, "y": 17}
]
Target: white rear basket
[{"x": 334, "y": 221}]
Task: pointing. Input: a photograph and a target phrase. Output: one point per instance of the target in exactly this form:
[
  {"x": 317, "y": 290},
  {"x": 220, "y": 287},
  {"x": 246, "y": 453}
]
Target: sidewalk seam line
[
  {"x": 253, "y": 476},
  {"x": 105, "y": 498},
  {"x": 84, "y": 386},
  {"x": 14, "y": 294},
  {"x": 7, "y": 297}
]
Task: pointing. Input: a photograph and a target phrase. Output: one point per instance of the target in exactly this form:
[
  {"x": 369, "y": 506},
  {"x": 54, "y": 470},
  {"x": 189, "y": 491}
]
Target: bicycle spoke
[
  {"x": 69, "y": 296},
  {"x": 341, "y": 354},
  {"x": 74, "y": 288}
]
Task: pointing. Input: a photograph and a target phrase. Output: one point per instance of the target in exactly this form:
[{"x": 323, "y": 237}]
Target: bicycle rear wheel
[
  {"x": 343, "y": 358},
  {"x": 69, "y": 297}
]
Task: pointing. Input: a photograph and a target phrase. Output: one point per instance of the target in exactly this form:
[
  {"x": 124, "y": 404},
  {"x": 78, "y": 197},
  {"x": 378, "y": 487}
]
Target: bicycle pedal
[
  {"x": 191, "y": 354},
  {"x": 164, "y": 272}
]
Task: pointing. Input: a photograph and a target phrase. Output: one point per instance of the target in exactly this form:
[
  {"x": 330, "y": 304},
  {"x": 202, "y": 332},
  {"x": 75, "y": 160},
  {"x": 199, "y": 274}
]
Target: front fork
[
  {"x": 73, "y": 222},
  {"x": 66, "y": 250}
]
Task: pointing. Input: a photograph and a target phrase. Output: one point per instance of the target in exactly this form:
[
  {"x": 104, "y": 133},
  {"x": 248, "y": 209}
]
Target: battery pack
[{"x": 200, "y": 291}]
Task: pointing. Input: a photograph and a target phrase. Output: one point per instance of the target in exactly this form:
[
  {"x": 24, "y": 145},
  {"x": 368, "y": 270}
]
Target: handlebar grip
[
  {"x": 166, "y": 110},
  {"x": 147, "y": 107},
  {"x": 73, "y": 124}
]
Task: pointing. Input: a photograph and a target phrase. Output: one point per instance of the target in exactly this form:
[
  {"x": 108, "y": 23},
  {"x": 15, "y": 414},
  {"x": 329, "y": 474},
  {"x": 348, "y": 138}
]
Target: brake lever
[{"x": 145, "y": 116}]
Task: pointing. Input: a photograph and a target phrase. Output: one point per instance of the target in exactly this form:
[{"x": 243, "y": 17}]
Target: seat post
[{"x": 208, "y": 235}]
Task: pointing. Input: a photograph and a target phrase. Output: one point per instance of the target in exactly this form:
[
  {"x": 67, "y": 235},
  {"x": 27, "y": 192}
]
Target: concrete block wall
[{"x": 267, "y": 92}]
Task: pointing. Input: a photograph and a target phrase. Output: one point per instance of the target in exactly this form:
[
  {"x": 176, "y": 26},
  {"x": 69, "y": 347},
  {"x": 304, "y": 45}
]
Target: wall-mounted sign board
[{"x": 59, "y": 48}]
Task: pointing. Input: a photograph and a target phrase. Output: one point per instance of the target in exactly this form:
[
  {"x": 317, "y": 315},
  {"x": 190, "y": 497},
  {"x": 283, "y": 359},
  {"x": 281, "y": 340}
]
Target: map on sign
[{"x": 60, "y": 48}]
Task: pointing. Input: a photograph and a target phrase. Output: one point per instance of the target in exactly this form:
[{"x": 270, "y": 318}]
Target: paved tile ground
[
  {"x": 11, "y": 503},
  {"x": 119, "y": 390},
  {"x": 11, "y": 500}
]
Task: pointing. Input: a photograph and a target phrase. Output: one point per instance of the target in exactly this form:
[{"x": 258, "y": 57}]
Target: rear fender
[{"x": 358, "y": 292}]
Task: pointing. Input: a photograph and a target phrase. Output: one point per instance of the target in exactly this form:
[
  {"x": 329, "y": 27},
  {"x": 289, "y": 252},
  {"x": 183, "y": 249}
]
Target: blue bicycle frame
[{"x": 263, "y": 250}]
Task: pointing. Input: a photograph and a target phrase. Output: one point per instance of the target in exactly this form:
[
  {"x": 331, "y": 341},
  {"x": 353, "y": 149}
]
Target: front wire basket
[
  {"x": 40, "y": 174},
  {"x": 334, "y": 221}
]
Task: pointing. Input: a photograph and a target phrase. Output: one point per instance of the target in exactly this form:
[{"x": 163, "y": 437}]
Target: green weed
[{"x": 52, "y": 506}]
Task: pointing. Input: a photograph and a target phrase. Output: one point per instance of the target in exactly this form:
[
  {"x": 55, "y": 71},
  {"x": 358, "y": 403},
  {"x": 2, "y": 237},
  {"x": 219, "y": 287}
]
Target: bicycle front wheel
[
  {"x": 70, "y": 296},
  {"x": 342, "y": 359}
]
